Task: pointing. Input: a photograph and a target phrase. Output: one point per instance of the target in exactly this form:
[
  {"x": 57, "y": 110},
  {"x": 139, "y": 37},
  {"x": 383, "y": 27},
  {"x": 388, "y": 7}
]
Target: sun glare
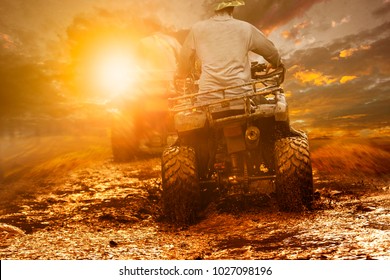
[{"x": 114, "y": 72}]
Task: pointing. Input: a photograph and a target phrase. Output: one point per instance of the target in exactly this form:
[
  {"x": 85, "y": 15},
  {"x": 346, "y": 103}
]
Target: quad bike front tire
[
  {"x": 180, "y": 185},
  {"x": 294, "y": 179}
]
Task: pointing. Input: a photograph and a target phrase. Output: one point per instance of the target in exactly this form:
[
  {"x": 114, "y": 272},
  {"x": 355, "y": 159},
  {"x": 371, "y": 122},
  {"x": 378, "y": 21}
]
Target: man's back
[{"x": 222, "y": 44}]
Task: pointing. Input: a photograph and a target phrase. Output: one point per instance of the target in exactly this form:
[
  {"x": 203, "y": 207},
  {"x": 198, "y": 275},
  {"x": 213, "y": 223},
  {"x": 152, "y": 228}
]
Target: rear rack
[{"x": 260, "y": 87}]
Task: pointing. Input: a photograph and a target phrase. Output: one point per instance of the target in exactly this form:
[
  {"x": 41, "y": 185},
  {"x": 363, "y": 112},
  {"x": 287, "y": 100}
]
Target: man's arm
[{"x": 263, "y": 46}]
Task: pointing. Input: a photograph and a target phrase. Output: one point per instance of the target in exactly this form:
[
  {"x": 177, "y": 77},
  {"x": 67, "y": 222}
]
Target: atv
[
  {"x": 141, "y": 123},
  {"x": 228, "y": 149}
]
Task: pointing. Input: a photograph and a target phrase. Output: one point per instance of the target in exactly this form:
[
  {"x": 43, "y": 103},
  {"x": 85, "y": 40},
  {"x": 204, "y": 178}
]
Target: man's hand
[{"x": 269, "y": 67}]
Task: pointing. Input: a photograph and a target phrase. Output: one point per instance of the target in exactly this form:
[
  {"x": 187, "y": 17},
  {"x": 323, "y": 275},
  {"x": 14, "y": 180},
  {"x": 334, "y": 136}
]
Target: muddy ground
[{"x": 112, "y": 211}]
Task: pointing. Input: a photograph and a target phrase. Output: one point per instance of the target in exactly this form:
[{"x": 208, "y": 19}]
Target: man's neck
[{"x": 222, "y": 16}]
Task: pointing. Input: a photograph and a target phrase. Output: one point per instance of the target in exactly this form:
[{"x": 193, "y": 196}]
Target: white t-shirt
[{"x": 222, "y": 44}]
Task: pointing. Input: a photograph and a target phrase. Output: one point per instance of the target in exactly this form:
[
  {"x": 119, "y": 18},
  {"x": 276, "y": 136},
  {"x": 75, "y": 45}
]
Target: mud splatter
[{"x": 113, "y": 211}]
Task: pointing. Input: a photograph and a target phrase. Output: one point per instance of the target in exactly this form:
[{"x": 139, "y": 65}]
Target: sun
[
  {"x": 114, "y": 71},
  {"x": 104, "y": 62}
]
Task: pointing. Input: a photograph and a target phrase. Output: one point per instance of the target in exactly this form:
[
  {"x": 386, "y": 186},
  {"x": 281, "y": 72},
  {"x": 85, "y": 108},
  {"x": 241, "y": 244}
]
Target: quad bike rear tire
[
  {"x": 180, "y": 183},
  {"x": 294, "y": 179}
]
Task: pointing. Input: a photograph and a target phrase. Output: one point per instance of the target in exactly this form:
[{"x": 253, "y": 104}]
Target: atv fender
[
  {"x": 187, "y": 121},
  {"x": 281, "y": 109}
]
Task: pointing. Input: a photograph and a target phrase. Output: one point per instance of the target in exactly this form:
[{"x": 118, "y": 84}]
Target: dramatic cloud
[
  {"x": 336, "y": 52},
  {"x": 349, "y": 52},
  {"x": 34, "y": 25},
  {"x": 347, "y": 95},
  {"x": 295, "y": 33},
  {"x": 314, "y": 77},
  {"x": 384, "y": 10},
  {"x": 344, "y": 20},
  {"x": 346, "y": 79},
  {"x": 269, "y": 14},
  {"x": 6, "y": 41}
]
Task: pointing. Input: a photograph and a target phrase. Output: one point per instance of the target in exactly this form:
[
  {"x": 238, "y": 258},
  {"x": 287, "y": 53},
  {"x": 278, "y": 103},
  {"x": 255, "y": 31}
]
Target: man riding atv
[
  {"x": 233, "y": 133},
  {"x": 222, "y": 44}
]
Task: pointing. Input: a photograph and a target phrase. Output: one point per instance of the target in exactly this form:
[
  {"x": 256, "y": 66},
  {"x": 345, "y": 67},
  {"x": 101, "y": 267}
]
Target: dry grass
[
  {"x": 37, "y": 158},
  {"x": 368, "y": 157}
]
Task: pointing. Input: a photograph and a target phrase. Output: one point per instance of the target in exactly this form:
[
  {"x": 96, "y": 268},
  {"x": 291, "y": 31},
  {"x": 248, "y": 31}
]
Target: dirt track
[{"x": 112, "y": 211}]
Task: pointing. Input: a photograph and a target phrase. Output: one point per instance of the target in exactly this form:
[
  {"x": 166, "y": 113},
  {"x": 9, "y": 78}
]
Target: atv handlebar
[{"x": 260, "y": 71}]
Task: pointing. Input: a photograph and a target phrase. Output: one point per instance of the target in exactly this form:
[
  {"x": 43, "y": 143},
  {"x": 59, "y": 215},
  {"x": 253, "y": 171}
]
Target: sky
[{"x": 336, "y": 51}]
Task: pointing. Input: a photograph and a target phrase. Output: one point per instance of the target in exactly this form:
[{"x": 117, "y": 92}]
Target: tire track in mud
[{"x": 113, "y": 211}]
